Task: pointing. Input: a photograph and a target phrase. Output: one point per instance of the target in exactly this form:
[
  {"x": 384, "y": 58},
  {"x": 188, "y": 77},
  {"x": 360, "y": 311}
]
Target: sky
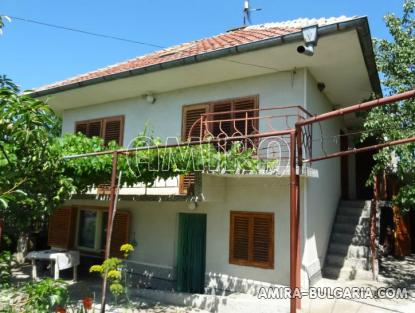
[{"x": 34, "y": 55}]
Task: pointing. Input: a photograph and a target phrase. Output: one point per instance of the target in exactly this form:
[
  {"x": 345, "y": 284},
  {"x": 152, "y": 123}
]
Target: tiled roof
[{"x": 229, "y": 39}]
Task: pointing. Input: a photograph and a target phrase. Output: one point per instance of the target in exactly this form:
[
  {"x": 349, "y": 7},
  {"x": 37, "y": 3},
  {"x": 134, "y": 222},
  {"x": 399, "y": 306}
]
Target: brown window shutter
[
  {"x": 190, "y": 114},
  {"x": 113, "y": 130},
  {"x": 81, "y": 127},
  {"x": 252, "y": 239},
  {"x": 120, "y": 232},
  {"x": 239, "y": 238},
  {"x": 245, "y": 107},
  {"x": 224, "y": 128},
  {"x": 186, "y": 182},
  {"x": 94, "y": 129},
  {"x": 61, "y": 232},
  {"x": 263, "y": 240}
]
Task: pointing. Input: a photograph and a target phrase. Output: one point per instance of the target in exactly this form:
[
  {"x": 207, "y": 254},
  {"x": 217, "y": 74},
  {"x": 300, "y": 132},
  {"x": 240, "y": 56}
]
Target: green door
[{"x": 191, "y": 253}]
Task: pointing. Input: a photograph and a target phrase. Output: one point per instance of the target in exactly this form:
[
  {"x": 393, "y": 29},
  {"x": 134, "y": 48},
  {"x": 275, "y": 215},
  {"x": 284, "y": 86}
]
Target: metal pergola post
[
  {"x": 295, "y": 247},
  {"x": 109, "y": 226}
]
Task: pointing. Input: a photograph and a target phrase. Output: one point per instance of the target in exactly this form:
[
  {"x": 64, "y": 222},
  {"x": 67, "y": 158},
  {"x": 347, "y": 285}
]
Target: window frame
[
  {"x": 98, "y": 229},
  {"x": 250, "y": 262},
  {"x": 103, "y": 121},
  {"x": 210, "y": 107}
]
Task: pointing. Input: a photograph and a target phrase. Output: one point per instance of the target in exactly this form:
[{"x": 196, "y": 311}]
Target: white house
[{"x": 237, "y": 236}]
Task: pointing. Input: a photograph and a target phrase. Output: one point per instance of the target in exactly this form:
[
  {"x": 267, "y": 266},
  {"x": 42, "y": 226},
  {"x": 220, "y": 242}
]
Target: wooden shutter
[
  {"x": 113, "y": 130},
  {"x": 81, "y": 127},
  {"x": 94, "y": 128},
  {"x": 245, "y": 107},
  {"x": 252, "y": 239},
  {"x": 62, "y": 224},
  {"x": 120, "y": 232},
  {"x": 263, "y": 240},
  {"x": 240, "y": 240},
  {"x": 186, "y": 183},
  {"x": 190, "y": 114}
]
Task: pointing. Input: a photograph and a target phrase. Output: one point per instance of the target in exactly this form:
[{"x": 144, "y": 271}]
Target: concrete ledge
[
  {"x": 217, "y": 304},
  {"x": 222, "y": 284},
  {"x": 151, "y": 276}
]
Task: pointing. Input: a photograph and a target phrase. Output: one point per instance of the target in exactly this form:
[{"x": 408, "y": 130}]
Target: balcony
[{"x": 266, "y": 131}]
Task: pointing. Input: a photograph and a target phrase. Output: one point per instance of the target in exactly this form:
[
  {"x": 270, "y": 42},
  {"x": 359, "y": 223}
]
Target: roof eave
[{"x": 361, "y": 24}]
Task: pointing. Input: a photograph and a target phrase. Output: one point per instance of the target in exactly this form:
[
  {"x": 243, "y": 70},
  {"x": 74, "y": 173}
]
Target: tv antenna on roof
[{"x": 247, "y": 12}]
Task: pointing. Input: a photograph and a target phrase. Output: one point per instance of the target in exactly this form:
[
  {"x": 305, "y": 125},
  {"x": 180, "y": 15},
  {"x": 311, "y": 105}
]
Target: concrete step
[
  {"x": 354, "y": 206},
  {"x": 350, "y": 251},
  {"x": 355, "y": 203},
  {"x": 355, "y": 212},
  {"x": 347, "y": 273},
  {"x": 336, "y": 260},
  {"x": 353, "y": 239},
  {"x": 349, "y": 228},
  {"x": 353, "y": 220}
]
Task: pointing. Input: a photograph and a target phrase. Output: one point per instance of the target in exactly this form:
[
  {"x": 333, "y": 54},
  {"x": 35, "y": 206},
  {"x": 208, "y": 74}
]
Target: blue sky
[{"x": 34, "y": 55}]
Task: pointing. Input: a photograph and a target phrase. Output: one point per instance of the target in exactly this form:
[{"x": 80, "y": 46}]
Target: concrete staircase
[{"x": 348, "y": 253}]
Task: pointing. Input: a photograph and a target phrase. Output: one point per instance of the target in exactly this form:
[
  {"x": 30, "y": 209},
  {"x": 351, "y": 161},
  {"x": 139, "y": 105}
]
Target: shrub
[
  {"x": 5, "y": 269},
  {"x": 45, "y": 295}
]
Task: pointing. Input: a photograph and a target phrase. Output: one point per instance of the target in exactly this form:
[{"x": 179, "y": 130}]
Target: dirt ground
[
  {"x": 89, "y": 286},
  {"x": 393, "y": 273}
]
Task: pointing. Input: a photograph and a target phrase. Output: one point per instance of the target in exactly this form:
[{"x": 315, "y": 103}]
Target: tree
[
  {"x": 32, "y": 181},
  {"x": 396, "y": 64}
]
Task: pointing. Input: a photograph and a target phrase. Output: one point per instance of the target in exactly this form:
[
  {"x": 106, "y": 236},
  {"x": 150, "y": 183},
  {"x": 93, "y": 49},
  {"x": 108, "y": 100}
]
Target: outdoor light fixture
[
  {"x": 134, "y": 241},
  {"x": 150, "y": 98},
  {"x": 193, "y": 203},
  {"x": 310, "y": 36}
]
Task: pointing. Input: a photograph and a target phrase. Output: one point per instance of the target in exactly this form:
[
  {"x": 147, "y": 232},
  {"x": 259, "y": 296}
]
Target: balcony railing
[{"x": 225, "y": 127}]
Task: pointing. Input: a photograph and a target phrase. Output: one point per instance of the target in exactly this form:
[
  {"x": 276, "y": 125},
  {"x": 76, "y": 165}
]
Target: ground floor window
[
  {"x": 91, "y": 229},
  {"x": 252, "y": 239}
]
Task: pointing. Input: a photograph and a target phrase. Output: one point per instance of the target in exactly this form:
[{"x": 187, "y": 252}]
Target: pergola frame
[{"x": 296, "y": 161}]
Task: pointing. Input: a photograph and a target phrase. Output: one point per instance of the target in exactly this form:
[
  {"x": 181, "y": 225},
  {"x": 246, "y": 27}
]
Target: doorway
[
  {"x": 344, "y": 166},
  {"x": 191, "y": 253},
  {"x": 364, "y": 165}
]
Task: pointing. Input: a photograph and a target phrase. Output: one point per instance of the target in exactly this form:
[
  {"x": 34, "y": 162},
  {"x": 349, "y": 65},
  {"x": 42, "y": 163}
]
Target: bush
[
  {"x": 45, "y": 295},
  {"x": 5, "y": 269}
]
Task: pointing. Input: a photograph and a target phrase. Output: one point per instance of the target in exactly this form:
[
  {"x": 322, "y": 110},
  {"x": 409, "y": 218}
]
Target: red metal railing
[{"x": 226, "y": 125}]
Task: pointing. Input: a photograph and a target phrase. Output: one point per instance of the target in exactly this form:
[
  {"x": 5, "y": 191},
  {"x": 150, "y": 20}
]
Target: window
[
  {"x": 232, "y": 109},
  {"x": 110, "y": 128},
  {"x": 87, "y": 228},
  {"x": 252, "y": 239},
  {"x": 92, "y": 230}
]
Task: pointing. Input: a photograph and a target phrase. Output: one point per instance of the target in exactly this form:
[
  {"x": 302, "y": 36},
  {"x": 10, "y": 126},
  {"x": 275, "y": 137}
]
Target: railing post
[
  {"x": 295, "y": 260},
  {"x": 373, "y": 228},
  {"x": 109, "y": 226}
]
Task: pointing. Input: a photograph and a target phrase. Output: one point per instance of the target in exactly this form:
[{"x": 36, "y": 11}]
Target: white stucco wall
[
  {"x": 155, "y": 225},
  {"x": 278, "y": 89},
  {"x": 322, "y": 194}
]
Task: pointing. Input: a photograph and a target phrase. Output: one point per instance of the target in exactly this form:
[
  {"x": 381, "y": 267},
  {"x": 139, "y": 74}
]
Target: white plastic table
[{"x": 61, "y": 260}]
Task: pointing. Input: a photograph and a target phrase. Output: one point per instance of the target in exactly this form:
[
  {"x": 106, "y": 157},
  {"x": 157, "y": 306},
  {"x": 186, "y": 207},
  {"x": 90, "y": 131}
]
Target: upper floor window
[
  {"x": 226, "y": 118},
  {"x": 109, "y": 128}
]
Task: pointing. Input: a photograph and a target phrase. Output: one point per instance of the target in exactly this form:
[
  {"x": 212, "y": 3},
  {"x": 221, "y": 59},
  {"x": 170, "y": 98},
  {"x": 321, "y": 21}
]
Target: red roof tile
[{"x": 226, "y": 40}]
